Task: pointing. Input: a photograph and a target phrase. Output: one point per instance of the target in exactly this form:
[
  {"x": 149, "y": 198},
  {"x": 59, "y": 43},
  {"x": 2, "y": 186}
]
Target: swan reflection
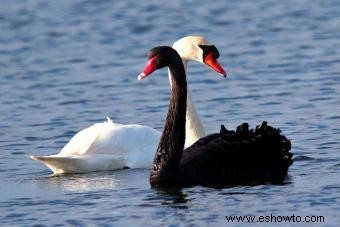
[{"x": 83, "y": 182}]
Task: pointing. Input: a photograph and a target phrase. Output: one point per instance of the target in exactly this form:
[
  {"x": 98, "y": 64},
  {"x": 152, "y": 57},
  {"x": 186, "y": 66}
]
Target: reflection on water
[
  {"x": 81, "y": 182},
  {"x": 172, "y": 197}
]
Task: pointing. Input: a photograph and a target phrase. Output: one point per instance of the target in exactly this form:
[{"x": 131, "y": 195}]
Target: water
[{"x": 65, "y": 65}]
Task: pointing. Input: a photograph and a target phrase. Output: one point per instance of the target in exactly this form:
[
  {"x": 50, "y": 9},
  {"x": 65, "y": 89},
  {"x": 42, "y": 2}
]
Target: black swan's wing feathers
[{"x": 235, "y": 155}]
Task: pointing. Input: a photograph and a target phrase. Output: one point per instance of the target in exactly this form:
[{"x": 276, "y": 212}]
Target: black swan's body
[{"x": 227, "y": 157}]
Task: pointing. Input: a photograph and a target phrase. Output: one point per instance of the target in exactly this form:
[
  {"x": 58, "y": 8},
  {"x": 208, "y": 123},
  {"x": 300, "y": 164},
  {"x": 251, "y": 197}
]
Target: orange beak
[{"x": 213, "y": 63}]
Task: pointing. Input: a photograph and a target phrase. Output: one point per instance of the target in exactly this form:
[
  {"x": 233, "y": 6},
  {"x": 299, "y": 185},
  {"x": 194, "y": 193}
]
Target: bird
[
  {"x": 107, "y": 145},
  {"x": 228, "y": 157}
]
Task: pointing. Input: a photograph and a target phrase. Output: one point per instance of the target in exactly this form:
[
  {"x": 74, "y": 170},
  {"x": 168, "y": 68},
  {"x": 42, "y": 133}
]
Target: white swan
[{"x": 109, "y": 146}]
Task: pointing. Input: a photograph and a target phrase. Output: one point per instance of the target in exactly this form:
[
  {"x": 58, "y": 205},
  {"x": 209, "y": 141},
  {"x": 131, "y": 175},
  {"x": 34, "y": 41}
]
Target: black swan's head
[{"x": 160, "y": 57}]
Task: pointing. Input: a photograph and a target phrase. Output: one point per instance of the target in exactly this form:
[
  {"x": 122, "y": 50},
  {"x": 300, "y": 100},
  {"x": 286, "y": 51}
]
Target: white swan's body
[
  {"x": 104, "y": 146},
  {"x": 109, "y": 146}
]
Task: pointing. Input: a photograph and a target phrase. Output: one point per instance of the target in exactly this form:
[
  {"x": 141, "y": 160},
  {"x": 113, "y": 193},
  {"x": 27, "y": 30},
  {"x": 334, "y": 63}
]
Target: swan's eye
[
  {"x": 152, "y": 54},
  {"x": 210, "y": 49}
]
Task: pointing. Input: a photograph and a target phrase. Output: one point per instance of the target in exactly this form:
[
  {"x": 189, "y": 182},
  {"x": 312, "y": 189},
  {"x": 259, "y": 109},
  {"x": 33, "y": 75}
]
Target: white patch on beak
[{"x": 141, "y": 76}]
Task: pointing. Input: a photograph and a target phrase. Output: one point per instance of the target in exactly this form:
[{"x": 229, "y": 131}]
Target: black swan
[{"x": 227, "y": 157}]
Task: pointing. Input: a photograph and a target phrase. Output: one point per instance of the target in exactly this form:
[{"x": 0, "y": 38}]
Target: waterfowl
[
  {"x": 227, "y": 157},
  {"x": 107, "y": 145}
]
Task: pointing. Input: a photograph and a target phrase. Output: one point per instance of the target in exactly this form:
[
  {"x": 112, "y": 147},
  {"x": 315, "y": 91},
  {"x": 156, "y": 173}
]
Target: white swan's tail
[{"x": 81, "y": 164}]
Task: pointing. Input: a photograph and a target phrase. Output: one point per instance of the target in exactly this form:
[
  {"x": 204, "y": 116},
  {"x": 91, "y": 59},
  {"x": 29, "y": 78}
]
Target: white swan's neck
[{"x": 193, "y": 127}]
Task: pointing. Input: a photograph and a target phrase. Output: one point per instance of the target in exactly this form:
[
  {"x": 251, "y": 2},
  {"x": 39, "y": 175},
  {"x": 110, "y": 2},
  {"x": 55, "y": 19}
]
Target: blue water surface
[{"x": 65, "y": 65}]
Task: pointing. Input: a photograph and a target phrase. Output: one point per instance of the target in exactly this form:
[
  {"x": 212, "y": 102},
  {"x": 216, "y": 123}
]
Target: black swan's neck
[{"x": 167, "y": 158}]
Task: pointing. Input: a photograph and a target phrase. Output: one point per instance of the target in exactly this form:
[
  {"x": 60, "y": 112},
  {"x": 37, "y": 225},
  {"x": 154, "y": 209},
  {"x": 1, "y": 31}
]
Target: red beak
[
  {"x": 148, "y": 69},
  {"x": 213, "y": 63}
]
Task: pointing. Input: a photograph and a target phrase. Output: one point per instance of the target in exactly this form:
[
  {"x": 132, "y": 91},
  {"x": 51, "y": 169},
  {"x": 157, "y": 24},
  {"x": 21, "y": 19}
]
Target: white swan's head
[
  {"x": 189, "y": 47},
  {"x": 197, "y": 48}
]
